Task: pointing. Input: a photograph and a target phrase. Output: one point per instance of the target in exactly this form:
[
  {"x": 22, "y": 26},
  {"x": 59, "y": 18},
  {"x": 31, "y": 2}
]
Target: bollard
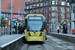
[
  {"x": 0, "y": 31},
  {"x": 3, "y": 30},
  {"x": 8, "y": 30}
]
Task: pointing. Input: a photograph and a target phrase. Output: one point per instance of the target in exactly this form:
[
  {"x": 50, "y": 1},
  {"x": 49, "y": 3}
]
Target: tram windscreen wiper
[
  {"x": 36, "y": 31},
  {"x": 31, "y": 30}
]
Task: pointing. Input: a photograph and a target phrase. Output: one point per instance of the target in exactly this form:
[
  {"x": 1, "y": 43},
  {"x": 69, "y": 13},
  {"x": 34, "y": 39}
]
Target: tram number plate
[{"x": 34, "y": 37}]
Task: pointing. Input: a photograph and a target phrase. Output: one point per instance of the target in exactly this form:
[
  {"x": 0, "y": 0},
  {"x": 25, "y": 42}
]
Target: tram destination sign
[{"x": 34, "y": 17}]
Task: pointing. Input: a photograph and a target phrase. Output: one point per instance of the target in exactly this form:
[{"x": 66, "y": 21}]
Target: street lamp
[
  {"x": 11, "y": 19},
  {"x": 0, "y": 17},
  {"x": 45, "y": 12},
  {"x": 16, "y": 27}
]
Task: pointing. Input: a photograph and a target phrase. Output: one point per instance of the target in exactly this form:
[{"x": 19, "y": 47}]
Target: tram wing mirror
[{"x": 27, "y": 29}]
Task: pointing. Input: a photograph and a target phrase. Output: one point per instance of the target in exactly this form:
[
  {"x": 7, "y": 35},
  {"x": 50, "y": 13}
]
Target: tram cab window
[{"x": 43, "y": 27}]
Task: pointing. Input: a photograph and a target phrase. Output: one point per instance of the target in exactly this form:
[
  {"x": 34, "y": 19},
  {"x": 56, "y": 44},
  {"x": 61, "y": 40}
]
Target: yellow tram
[{"x": 35, "y": 27}]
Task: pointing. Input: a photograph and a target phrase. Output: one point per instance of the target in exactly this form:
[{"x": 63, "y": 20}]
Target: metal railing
[{"x": 5, "y": 31}]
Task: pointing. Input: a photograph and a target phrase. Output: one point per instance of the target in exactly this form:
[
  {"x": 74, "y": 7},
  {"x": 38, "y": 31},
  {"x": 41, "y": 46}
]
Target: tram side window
[
  {"x": 26, "y": 23},
  {"x": 44, "y": 25}
]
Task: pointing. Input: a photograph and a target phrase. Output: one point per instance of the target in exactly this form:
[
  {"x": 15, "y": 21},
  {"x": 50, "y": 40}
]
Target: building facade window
[
  {"x": 27, "y": 12},
  {"x": 44, "y": 3},
  {"x": 34, "y": 6},
  {"x": 67, "y": 4},
  {"x": 31, "y": 11},
  {"x": 54, "y": 14},
  {"x": 68, "y": 10},
  {"x": 62, "y": 9},
  {"x": 37, "y": 4},
  {"x": 32, "y": 0},
  {"x": 54, "y": 2},
  {"x": 50, "y": 3},
  {"x": 27, "y": 7},
  {"x": 54, "y": 8},
  {"x": 37, "y": 10},
  {"x": 62, "y": 3},
  {"x": 68, "y": 15},
  {"x": 41, "y": 9},
  {"x": 49, "y": 8},
  {"x": 62, "y": 16},
  {"x": 30, "y": 6},
  {"x": 41, "y": 4},
  {"x": 53, "y": 20},
  {"x": 49, "y": 14}
]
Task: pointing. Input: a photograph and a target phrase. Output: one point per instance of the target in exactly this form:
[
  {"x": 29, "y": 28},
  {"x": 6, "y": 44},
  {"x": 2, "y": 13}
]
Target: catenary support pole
[
  {"x": 11, "y": 19},
  {"x": 0, "y": 17},
  {"x": 45, "y": 12}
]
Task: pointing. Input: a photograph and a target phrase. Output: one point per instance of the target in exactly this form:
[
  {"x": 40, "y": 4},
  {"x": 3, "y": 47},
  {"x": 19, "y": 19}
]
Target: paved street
[{"x": 52, "y": 43}]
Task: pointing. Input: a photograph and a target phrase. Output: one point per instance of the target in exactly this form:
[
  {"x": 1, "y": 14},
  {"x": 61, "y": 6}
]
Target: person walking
[
  {"x": 58, "y": 29},
  {"x": 19, "y": 28},
  {"x": 65, "y": 29},
  {"x": 15, "y": 27}
]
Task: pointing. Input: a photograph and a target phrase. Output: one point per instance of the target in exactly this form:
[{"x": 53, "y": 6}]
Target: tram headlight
[
  {"x": 41, "y": 34},
  {"x": 29, "y": 34}
]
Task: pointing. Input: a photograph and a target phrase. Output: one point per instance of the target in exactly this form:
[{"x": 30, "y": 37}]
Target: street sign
[
  {"x": 9, "y": 22},
  {"x": 57, "y": 23},
  {"x": 68, "y": 24},
  {"x": 64, "y": 21}
]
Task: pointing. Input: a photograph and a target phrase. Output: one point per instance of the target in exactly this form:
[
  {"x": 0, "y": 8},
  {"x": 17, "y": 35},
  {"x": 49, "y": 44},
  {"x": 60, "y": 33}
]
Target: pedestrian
[
  {"x": 66, "y": 30},
  {"x": 58, "y": 29},
  {"x": 15, "y": 29},
  {"x": 63, "y": 29},
  {"x": 19, "y": 28},
  {"x": 24, "y": 27}
]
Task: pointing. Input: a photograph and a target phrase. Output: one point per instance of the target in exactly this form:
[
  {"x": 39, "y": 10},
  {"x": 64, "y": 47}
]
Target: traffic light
[{"x": 71, "y": 1}]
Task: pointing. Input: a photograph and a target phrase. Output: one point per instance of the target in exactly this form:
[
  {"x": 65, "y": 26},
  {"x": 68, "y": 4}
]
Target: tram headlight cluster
[
  {"x": 29, "y": 34},
  {"x": 41, "y": 34}
]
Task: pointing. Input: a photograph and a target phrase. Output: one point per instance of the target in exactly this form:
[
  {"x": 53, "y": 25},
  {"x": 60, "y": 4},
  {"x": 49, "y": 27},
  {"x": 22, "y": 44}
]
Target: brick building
[
  {"x": 17, "y": 9},
  {"x": 57, "y": 12}
]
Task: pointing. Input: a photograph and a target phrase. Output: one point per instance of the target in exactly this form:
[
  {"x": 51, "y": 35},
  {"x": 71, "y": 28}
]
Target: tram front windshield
[{"x": 35, "y": 25}]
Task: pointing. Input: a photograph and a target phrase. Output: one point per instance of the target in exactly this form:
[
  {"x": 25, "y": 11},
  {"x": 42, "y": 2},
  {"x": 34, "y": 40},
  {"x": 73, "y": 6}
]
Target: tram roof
[{"x": 34, "y": 15}]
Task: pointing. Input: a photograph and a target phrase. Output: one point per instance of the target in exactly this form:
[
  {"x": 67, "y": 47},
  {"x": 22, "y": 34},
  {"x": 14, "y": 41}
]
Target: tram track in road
[
  {"x": 49, "y": 44},
  {"x": 33, "y": 46}
]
